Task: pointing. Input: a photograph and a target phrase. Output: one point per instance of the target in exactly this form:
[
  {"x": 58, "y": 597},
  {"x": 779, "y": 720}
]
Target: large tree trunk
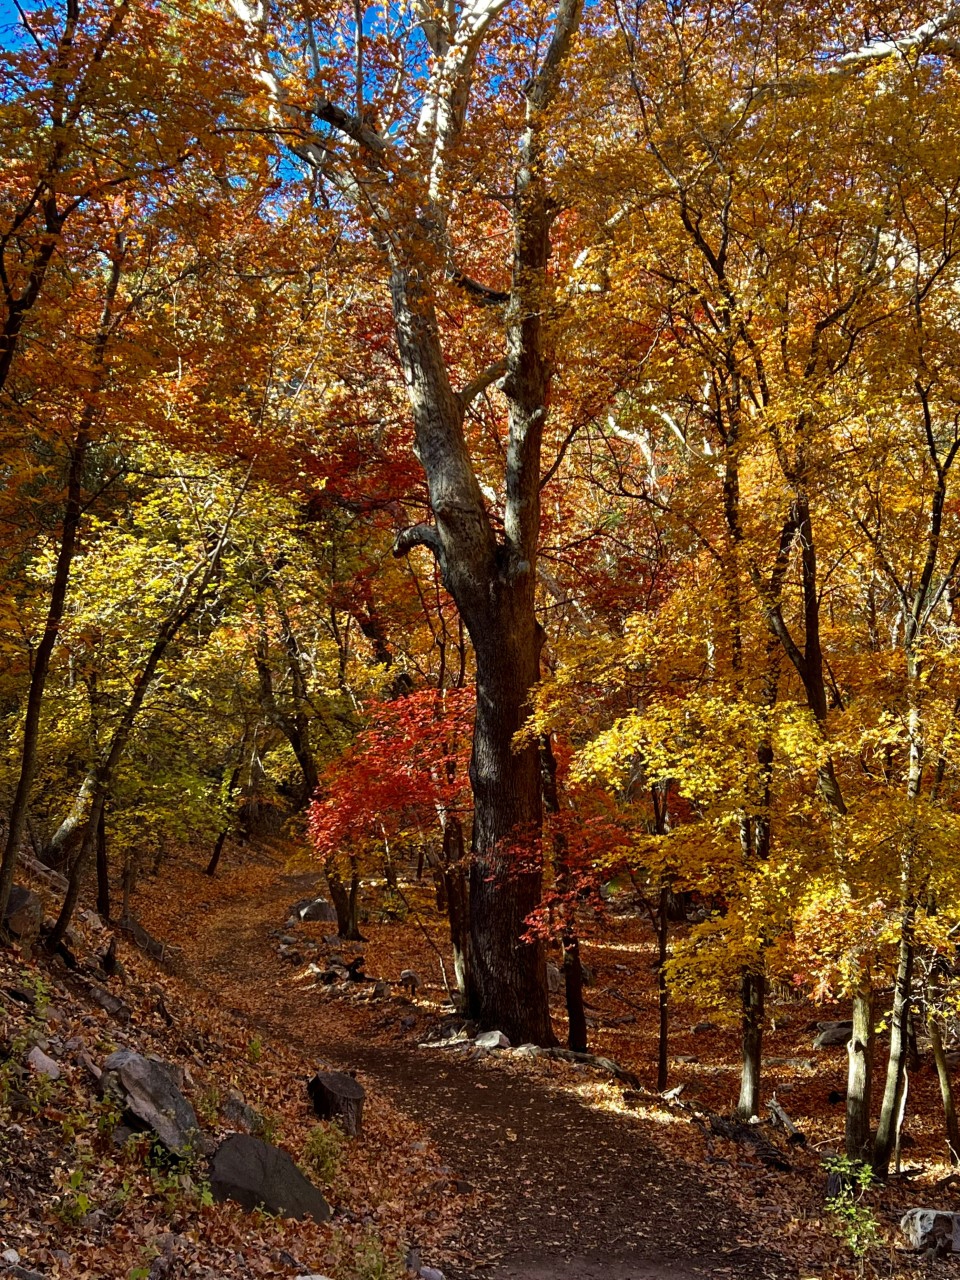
[
  {"x": 509, "y": 979},
  {"x": 860, "y": 1076}
]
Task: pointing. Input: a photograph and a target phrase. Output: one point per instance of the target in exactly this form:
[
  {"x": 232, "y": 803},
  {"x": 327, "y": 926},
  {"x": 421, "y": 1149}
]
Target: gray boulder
[
  {"x": 147, "y": 1088},
  {"x": 933, "y": 1229},
  {"x": 254, "y": 1174},
  {"x": 492, "y": 1040},
  {"x": 318, "y": 909},
  {"x": 554, "y": 979},
  {"x": 833, "y": 1033},
  {"x": 39, "y": 1062},
  {"x": 24, "y": 914}
]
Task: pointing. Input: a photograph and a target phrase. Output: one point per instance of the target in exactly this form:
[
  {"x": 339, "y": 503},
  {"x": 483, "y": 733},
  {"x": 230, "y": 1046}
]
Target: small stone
[
  {"x": 554, "y": 979},
  {"x": 43, "y": 1065},
  {"x": 688, "y": 1058},
  {"x": 11, "y": 1256},
  {"x": 700, "y": 1028},
  {"x": 490, "y": 1040},
  {"x": 431, "y": 1273}
]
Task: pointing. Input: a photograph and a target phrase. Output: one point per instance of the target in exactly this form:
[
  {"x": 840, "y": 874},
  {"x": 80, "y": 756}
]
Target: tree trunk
[
  {"x": 569, "y": 942},
  {"x": 231, "y": 788},
  {"x": 191, "y": 596},
  {"x": 61, "y": 848},
  {"x": 103, "y": 870},
  {"x": 72, "y": 515},
  {"x": 214, "y": 862},
  {"x": 859, "y": 1076},
  {"x": 345, "y": 904},
  {"x": 890, "y": 1109},
  {"x": 457, "y": 902},
  {"x": 751, "y": 996},
  {"x": 943, "y": 1075},
  {"x": 663, "y": 991}
]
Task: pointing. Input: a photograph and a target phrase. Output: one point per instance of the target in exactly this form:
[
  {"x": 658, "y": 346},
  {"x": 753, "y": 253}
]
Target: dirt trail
[{"x": 571, "y": 1193}]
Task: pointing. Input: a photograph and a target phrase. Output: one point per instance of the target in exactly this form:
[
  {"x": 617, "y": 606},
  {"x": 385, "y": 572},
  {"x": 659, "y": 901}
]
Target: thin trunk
[
  {"x": 231, "y": 788},
  {"x": 569, "y": 942},
  {"x": 217, "y": 851},
  {"x": 860, "y": 1076},
  {"x": 345, "y": 904},
  {"x": 457, "y": 902},
  {"x": 103, "y": 870},
  {"x": 890, "y": 1109},
  {"x": 61, "y": 577},
  {"x": 663, "y": 991},
  {"x": 943, "y": 1075},
  {"x": 191, "y": 596},
  {"x": 751, "y": 996}
]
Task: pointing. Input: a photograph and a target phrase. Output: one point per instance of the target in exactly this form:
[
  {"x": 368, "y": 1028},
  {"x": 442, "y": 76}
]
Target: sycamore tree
[{"x": 439, "y": 148}]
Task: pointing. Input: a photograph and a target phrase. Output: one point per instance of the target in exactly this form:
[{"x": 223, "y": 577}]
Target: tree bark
[
  {"x": 457, "y": 904},
  {"x": 752, "y": 986},
  {"x": 890, "y": 1110},
  {"x": 103, "y": 869},
  {"x": 345, "y": 902},
  {"x": 569, "y": 942},
  {"x": 857, "y": 1139},
  {"x": 943, "y": 1076},
  {"x": 663, "y": 990}
]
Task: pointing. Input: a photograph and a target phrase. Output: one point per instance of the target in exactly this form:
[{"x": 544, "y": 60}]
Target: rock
[
  {"x": 430, "y": 1273},
  {"x": 833, "y": 1033},
  {"x": 318, "y": 909},
  {"x": 24, "y": 914},
  {"x": 113, "y": 1005},
  {"x": 38, "y": 1061},
  {"x": 492, "y": 1040},
  {"x": 586, "y": 974},
  {"x": 254, "y": 1174},
  {"x": 21, "y": 1273},
  {"x": 688, "y": 1058},
  {"x": 381, "y": 990},
  {"x": 241, "y": 1115},
  {"x": 527, "y": 1051},
  {"x": 10, "y": 1256},
  {"x": 933, "y": 1229},
  {"x": 337, "y": 1096},
  {"x": 554, "y": 979},
  {"x": 701, "y": 1028},
  {"x": 411, "y": 981},
  {"x": 147, "y": 1089}
]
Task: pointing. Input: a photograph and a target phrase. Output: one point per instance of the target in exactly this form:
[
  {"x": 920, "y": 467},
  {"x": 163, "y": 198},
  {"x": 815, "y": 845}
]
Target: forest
[{"x": 489, "y": 466}]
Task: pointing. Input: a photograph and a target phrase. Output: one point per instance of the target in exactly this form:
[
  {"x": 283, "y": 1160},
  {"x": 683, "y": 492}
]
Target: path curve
[{"x": 569, "y": 1192}]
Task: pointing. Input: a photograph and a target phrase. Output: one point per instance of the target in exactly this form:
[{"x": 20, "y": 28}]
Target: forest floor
[{"x": 561, "y": 1174}]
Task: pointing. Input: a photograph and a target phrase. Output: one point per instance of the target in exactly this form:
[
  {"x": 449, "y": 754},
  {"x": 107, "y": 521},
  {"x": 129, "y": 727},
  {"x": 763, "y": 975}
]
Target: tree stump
[{"x": 337, "y": 1096}]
